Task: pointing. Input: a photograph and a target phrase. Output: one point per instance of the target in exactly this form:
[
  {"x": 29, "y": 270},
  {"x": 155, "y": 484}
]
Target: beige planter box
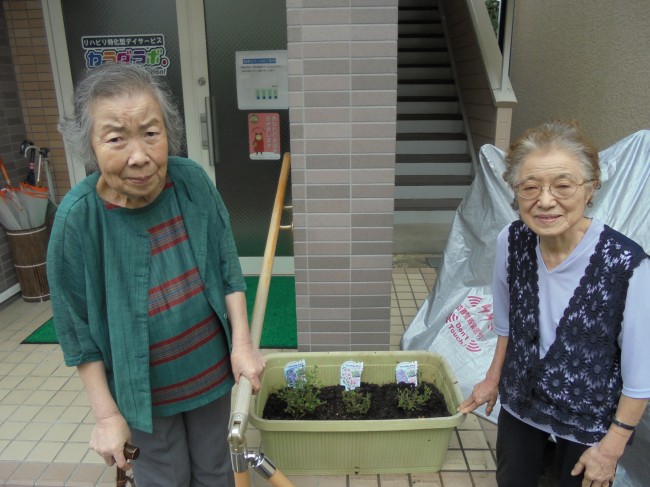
[{"x": 349, "y": 447}]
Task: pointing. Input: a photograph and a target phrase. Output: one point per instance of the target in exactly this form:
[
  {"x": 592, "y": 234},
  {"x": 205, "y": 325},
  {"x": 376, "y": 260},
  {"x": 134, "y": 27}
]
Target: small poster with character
[{"x": 264, "y": 136}]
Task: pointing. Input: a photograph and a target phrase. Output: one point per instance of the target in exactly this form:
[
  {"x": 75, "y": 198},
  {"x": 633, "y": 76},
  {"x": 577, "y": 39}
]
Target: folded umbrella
[
  {"x": 12, "y": 213},
  {"x": 34, "y": 200}
]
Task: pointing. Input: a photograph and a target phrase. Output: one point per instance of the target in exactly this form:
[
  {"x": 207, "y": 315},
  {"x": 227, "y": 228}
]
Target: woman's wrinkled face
[
  {"x": 130, "y": 143},
  {"x": 548, "y": 215}
]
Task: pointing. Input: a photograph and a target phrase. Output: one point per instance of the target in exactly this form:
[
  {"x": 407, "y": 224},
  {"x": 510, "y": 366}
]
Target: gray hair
[
  {"x": 112, "y": 80},
  {"x": 557, "y": 135}
]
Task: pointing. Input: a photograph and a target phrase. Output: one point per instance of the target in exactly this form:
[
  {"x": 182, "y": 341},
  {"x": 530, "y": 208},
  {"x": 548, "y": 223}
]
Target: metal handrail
[{"x": 240, "y": 457}]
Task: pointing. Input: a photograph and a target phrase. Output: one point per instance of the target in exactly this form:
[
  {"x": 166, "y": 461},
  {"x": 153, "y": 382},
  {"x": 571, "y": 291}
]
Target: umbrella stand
[{"x": 240, "y": 456}]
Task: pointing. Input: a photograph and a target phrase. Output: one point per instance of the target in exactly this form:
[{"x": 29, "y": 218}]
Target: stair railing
[
  {"x": 240, "y": 456},
  {"x": 496, "y": 63}
]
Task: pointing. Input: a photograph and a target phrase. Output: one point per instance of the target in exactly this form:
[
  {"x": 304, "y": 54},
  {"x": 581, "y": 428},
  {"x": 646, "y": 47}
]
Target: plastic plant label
[
  {"x": 295, "y": 371},
  {"x": 407, "y": 372},
  {"x": 351, "y": 374}
]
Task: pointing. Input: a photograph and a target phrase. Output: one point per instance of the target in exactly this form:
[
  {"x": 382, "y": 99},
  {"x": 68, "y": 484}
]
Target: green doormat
[{"x": 280, "y": 327}]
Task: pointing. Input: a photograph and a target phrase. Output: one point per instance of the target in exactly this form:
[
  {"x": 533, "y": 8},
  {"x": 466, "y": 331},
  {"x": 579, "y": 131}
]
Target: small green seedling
[
  {"x": 303, "y": 397},
  {"x": 356, "y": 402},
  {"x": 413, "y": 399}
]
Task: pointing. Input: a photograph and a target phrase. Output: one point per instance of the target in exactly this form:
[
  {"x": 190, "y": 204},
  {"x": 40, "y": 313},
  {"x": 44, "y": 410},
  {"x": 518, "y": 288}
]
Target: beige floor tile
[
  {"x": 63, "y": 371},
  {"x": 73, "y": 413},
  {"x": 6, "y": 469},
  {"x": 49, "y": 413},
  {"x": 34, "y": 431},
  {"x": 92, "y": 457},
  {"x": 470, "y": 423},
  {"x": 17, "y": 450},
  {"x": 72, "y": 452},
  {"x": 39, "y": 397},
  {"x": 484, "y": 479},
  {"x": 454, "y": 461},
  {"x": 73, "y": 384},
  {"x": 453, "y": 441},
  {"x": 56, "y": 474},
  {"x": 491, "y": 438},
  {"x": 60, "y": 432},
  {"x": 480, "y": 460},
  {"x": 5, "y": 367},
  {"x": 85, "y": 475},
  {"x": 10, "y": 429},
  {"x": 45, "y": 451},
  {"x": 17, "y": 396},
  {"x": 31, "y": 383},
  {"x": 37, "y": 356},
  {"x": 303, "y": 480},
  {"x": 26, "y": 473},
  {"x": 22, "y": 369},
  {"x": 54, "y": 383},
  {"x": 10, "y": 382},
  {"x": 16, "y": 357},
  {"x": 331, "y": 481},
  {"x": 473, "y": 439},
  {"x": 363, "y": 481},
  {"x": 82, "y": 433},
  {"x": 426, "y": 480},
  {"x": 456, "y": 479},
  {"x": 25, "y": 413},
  {"x": 394, "y": 480},
  {"x": 45, "y": 369},
  {"x": 7, "y": 410}
]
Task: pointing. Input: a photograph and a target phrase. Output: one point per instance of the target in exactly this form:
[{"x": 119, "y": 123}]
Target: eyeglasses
[{"x": 560, "y": 190}]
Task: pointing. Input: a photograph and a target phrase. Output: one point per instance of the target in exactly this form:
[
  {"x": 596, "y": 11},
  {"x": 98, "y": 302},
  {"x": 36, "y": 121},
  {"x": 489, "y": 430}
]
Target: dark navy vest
[{"x": 576, "y": 386}]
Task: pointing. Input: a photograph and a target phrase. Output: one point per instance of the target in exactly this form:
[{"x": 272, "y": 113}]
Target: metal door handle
[{"x": 206, "y": 131}]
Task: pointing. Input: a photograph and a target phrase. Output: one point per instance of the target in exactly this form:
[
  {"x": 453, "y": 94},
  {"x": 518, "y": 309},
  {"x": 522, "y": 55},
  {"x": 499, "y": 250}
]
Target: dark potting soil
[{"x": 383, "y": 404}]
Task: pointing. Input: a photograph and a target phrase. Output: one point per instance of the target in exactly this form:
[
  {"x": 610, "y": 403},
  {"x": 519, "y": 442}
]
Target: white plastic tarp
[{"x": 456, "y": 319}]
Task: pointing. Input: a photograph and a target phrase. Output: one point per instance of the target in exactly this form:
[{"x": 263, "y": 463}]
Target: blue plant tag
[{"x": 295, "y": 371}]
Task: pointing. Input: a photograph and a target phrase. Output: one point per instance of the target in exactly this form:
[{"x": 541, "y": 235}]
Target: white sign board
[{"x": 262, "y": 80}]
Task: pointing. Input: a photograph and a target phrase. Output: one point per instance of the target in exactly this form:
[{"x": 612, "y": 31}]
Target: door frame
[{"x": 196, "y": 89}]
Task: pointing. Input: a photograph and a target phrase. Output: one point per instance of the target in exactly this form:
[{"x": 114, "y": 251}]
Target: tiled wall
[
  {"x": 33, "y": 71},
  {"x": 28, "y": 106},
  {"x": 342, "y": 83},
  {"x": 12, "y": 133}
]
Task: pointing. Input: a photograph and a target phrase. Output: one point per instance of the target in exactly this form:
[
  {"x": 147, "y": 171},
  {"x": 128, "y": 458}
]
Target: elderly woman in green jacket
[{"x": 147, "y": 291}]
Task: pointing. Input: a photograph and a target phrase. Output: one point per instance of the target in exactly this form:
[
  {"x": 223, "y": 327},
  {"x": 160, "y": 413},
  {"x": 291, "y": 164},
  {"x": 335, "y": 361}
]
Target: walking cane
[{"x": 130, "y": 453}]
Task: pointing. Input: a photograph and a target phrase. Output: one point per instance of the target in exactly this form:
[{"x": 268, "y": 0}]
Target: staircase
[{"x": 433, "y": 165}]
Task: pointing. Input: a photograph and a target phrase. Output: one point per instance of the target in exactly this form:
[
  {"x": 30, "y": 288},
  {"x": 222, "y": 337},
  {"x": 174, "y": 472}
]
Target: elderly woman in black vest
[{"x": 571, "y": 311}]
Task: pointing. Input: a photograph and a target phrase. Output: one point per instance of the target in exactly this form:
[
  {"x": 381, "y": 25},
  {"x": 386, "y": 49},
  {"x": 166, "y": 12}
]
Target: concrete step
[
  {"x": 429, "y": 124},
  {"x": 449, "y": 106},
  {"x": 430, "y": 192},
  {"x": 431, "y": 143},
  {"x": 455, "y": 180},
  {"x": 420, "y": 237},
  {"x": 427, "y": 12},
  {"x": 432, "y": 147},
  {"x": 450, "y": 168},
  {"x": 426, "y": 87},
  {"x": 427, "y": 204},
  {"x": 422, "y": 55},
  {"x": 431, "y": 186},
  {"x": 427, "y": 41},
  {"x": 433, "y": 164},
  {"x": 419, "y": 27},
  {"x": 410, "y": 71}
]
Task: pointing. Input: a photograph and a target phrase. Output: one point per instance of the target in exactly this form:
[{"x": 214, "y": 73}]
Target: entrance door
[{"x": 194, "y": 46}]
